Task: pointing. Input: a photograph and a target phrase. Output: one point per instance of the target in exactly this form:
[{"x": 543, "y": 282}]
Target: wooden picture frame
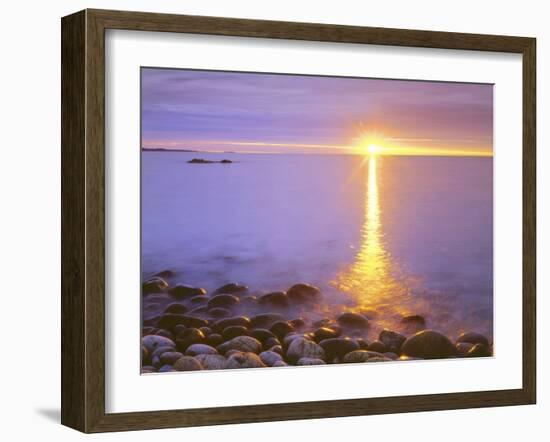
[{"x": 83, "y": 219}]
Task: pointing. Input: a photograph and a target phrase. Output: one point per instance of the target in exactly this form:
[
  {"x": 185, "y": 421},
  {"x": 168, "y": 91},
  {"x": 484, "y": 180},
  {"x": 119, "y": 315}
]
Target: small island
[{"x": 203, "y": 161}]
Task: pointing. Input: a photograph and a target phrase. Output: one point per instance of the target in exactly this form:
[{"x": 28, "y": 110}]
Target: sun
[{"x": 373, "y": 149}]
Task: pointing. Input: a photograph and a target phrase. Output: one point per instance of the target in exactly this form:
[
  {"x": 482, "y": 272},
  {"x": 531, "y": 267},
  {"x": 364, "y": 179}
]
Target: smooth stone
[
  {"x": 303, "y": 293},
  {"x": 179, "y": 328},
  {"x": 148, "y": 331},
  {"x": 304, "y": 348},
  {"x": 152, "y": 342},
  {"x": 219, "y": 312},
  {"x": 462, "y": 348},
  {"x": 233, "y": 331},
  {"x": 310, "y": 361},
  {"x": 353, "y": 321},
  {"x": 214, "y": 339},
  {"x": 211, "y": 361},
  {"x": 164, "y": 274},
  {"x": 185, "y": 291},
  {"x": 170, "y": 320},
  {"x": 270, "y": 357},
  {"x": 281, "y": 329},
  {"x": 413, "y": 323},
  {"x": 280, "y": 364},
  {"x": 392, "y": 340},
  {"x": 265, "y": 320},
  {"x": 166, "y": 368},
  {"x": 290, "y": 337},
  {"x": 187, "y": 363},
  {"x": 200, "y": 310},
  {"x": 159, "y": 351},
  {"x": 189, "y": 337},
  {"x": 323, "y": 322},
  {"x": 298, "y": 323},
  {"x": 275, "y": 300},
  {"x": 262, "y": 334},
  {"x": 206, "y": 330},
  {"x": 244, "y": 360},
  {"x": 249, "y": 302},
  {"x": 358, "y": 356},
  {"x": 324, "y": 333},
  {"x": 277, "y": 349},
  {"x": 242, "y": 344},
  {"x": 220, "y": 325},
  {"x": 200, "y": 349},
  {"x": 428, "y": 344},
  {"x": 165, "y": 333},
  {"x": 270, "y": 342},
  {"x": 377, "y": 346},
  {"x": 198, "y": 300},
  {"x": 154, "y": 285},
  {"x": 176, "y": 307},
  {"x": 473, "y": 338},
  {"x": 231, "y": 288},
  {"x": 391, "y": 355},
  {"x": 479, "y": 351},
  {"x": 170, "y": 357},
  {"x": 363, "y": 343},
  {"x": 338, "y": 347},
  {"x": 223, "y": 301}
]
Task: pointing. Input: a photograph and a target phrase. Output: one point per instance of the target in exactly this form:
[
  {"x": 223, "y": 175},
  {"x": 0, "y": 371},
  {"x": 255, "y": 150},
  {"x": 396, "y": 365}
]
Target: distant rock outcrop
[{"x": 203, "y": 161}]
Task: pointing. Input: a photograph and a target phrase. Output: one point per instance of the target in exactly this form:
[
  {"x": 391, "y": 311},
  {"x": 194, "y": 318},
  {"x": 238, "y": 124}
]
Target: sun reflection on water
[{"x": 373, "y": 280}]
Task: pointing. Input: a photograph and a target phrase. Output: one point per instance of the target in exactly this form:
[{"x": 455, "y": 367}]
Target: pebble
[
  {"x": 214, "y": 339},
  {"x": 280, "y": 364},
  {"x": 165, "y": 333},
  {"x": 428, "y": 344},
  {"x": 187, "y": 363},
  {"x": 281, "y": 329},
  {"x": 200, "y": 349},
  {"x": 170, "y": 320},
  {"x": 170, "y": 357},
  {"x": 353, "y": 321},
  {"x": 358, "y": 356},
  {"x": 462, "y": 348},
  {"x": 310, "y": 361},
  {"x": 154, "y": 285},
  {"x": 223, "y": 301},
  {"x": 473, "y": 338},
  {"x": 211, "y": 361},
  {"x": 275, "y": 300},
  {"x": 231, "y": 288},
  {"x": 220, "y": 325},
  {"x": 304, "y": 348},
  {"x": 151, "y": 342},
  {"x": 233, "y": 331},
  {"x": 479, "y": 351},
  {"x": 176, "y": 307},
  {"x": 189, "y": 337},
  {"x": 413, "y": 323},
  {"x": 338, "y": 347},
  {"x": 219, "y": 312},
  {"x": 265, "y": 320},
  {"x": 392, "y": 340},
  {"x": 378, "y": 347},
  {"x": 270, "y": 357},
  {"x": 242, "y": 344},
  {"x": 244, "y": 360},
  {"x": 324, "y": 333},
  {"x": 262, "y": 334},
  {"x": 303, "y": 293},
  {"x": 166, "y": 368},
  {"x": 184, "y": 291}
]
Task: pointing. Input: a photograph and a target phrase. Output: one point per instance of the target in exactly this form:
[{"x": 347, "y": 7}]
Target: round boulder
[
  {"x": 428, "y": 344},
  {"x": 338, "y": 347},
  {"x": 187, "y": 363},
  {"x": 304, "y": 348},
  {"x": 392, "y": 340},
  {"x": 185, "y": 291},
  {"x": 246, "y": 344},
  {"x": 152, "y": 342},
  {"x": 244, "y": 360},
  {"x": 473, "y": 338},
  {"x": 303, "y": 293},
  {"x": 353, "y": 321}
]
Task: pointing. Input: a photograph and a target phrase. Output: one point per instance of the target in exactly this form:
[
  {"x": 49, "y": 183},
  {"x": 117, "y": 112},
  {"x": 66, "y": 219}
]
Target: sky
[{"x": 280, "y": 113}]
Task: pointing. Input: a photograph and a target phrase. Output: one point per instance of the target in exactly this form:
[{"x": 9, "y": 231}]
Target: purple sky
[{"x": 210, "y": 110}]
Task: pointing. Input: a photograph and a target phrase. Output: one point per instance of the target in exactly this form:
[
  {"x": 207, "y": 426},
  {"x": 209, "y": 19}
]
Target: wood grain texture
[{"x": 83, "y": 219}]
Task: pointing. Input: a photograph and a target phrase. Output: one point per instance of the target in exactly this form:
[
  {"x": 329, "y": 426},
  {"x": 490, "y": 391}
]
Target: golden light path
[{"x": 371, "y": 279}]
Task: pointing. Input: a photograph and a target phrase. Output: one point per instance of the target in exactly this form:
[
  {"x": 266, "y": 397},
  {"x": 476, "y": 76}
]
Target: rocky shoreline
[{"x": 234, "y": 328}]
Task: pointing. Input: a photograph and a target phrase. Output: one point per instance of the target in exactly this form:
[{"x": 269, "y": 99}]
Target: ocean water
[{"x": 389, "y": 235}]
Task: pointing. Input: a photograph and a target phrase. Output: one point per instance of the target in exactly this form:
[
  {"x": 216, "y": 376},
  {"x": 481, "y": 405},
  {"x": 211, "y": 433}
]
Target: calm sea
[{"x": 399, "y": 235}]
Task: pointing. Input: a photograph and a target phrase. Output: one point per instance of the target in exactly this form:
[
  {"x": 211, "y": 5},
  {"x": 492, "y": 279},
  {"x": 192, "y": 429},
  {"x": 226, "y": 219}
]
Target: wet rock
[
  {"x": 211, "y": 361},
  {"x": 166, "y": 368},
  {"x": 265, "y": 320},
  {"x": 304, "y": 348},
  {"x": 242, "y": 344},
  {"x": 214, "y": 339},
  {"x": 154, "y": 285},
  {"x": 274, "y": 300},
  {"x": 189, "y": 337},
  {"x": 152, "y": 342},
  {"x": 223, "y": 301},
  {"x": 219, "y": 312},
  {"x": 170, "y": 320},
  {"x": 244, "y": 360},
  {"x": 200, "y": 349},
  {"x": 377, "y": 346},
  {"x": 473, "y": 338},
  {"x": 298, "y": 323},
  {"x": 281, "y": 329},
  {"x": 479, "y": 351},
  {"x": 159, "y": 351},
  {"x": 462, "y": 348},
  {"x": 165, "y": 333},
  {"x": 338, "y": 347},
  {"x": 413, "y": 323},
  {"x": 197, "y": 300},
  {"x": 182, "y": 291},
  {"x": 323, "y": 322},
  {"x": 392, "y": 340},
  {"x": 353, "y": 321},
  {"x": 176, "y": 307},
  {"x": 200, "y": 310},
  {"x": 233, "y": 331},
  {"x": 231, "y": 288},
  {"x": 187, "y": 363},
  {"x": 220, "y": 325},
  {"x": 148, "y": 331},
  {"x": 303, "y": 293},
  {"x": 270, "y": 342},
  {"x": 290, "y": 337},
  {"x": 277, "y": 349},
  {"x": 363, "y": 344},
  {"x": 358, "y": 356},
  {"x": 428, "y": 344},
  {"x": 249, "y": 302},
  {"x": 324, "y": 333},
  {"x": 179, "y": 328},
  {"x": 310, "y": 361},
  {"x": 262, "y": 334},
  {"x": 270, "y": 357},
  {"x": 170, "y": 357},
  {"x": 280, "y": 364},
  {"x": 206, "y": 330}
]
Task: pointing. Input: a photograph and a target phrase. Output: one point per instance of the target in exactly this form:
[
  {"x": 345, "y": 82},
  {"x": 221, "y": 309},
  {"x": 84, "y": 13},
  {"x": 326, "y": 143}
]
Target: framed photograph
[{"x": 269, "y": 220}]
